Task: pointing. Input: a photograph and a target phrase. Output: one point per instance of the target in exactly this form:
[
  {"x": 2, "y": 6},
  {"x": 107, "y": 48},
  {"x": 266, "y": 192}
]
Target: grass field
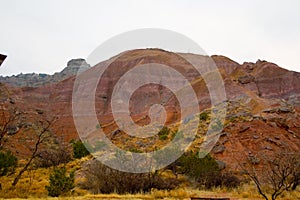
[{"x": 33, "y": 182}]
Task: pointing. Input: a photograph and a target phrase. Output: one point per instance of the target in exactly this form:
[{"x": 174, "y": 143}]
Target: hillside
[{"x": 262, "y": 114}]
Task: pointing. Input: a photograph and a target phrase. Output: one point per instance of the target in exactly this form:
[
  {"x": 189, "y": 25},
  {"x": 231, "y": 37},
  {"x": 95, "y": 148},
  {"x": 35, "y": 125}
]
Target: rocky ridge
[{"x": 37, "y": 80}]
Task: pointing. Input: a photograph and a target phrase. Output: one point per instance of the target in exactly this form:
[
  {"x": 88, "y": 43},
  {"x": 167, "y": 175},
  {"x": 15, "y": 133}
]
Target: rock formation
[
  {"x": 263, "y": 101},
  {"x": 37, "y": 80}
]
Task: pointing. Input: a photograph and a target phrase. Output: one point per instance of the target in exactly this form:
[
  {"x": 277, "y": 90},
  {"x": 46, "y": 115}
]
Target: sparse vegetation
[{"x": 217, "y": 125}]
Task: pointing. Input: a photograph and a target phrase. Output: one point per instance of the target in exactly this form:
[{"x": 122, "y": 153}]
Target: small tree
[
  {"x": 274, "y": 174},
  {"x": 41, "y": 130},
  {"x": 8, "y": 163},
  {"x": 79, "y": 150},
  {"x": 60, "y": 182}
]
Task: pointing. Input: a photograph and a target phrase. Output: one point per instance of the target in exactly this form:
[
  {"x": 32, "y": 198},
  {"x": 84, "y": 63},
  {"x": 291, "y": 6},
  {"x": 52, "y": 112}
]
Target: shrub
[
  {"x": 54, "y": 154},
  {"x": 8, "y": 163},
  {"x": 197, "y": 168},
  {"x": 229, "y": 180},
  {"x": 52, "y": 157},
  {"x": 79, "y": 150},
  {"x": 102, "y": 179},
  {"x": 98, "y": 126},
  {"x": 203, "y": 116},
  {"x": 135, "y": 150},
  {"x": 60, "y": 183},
  {"x": 163, "y": 133},
  {"x": 205, "y": 171}
]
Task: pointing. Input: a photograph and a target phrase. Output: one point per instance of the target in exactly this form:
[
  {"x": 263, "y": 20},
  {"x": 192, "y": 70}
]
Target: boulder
[
  {"x": 221, "y": 164},
  {"x": 219, "y": 149},
  {"x": 244, "y": 128},
  {"x": 246, "y": 79}
]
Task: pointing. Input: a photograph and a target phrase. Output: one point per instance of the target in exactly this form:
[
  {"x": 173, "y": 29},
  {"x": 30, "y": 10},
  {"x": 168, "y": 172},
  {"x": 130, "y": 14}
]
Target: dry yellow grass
[
  {"x": 247, "y": 193},
  {"x": 33, "y": 182},
  {"x": 32, "y": 186}
]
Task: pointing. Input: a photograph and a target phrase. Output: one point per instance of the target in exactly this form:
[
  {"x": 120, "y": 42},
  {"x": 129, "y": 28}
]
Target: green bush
[
  {"x": 163, "y": 133},
  {"x": 79, "y": 149},
  {"x": 203, "y": 116},
  {"x": 205, "y": 171},
  {"x": 198, "y": 168},
  {"x": 135, "y": 150},
  {"x": 60, "y": 183},
  {"x": 8, "y": 163}
]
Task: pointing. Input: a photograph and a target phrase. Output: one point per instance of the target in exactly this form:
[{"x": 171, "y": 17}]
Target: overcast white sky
[{"x": 41, "y": 36}]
